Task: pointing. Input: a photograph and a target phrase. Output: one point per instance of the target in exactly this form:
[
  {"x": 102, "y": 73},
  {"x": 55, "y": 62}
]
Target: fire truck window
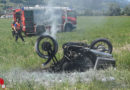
[
  {"x": 58, "y": 16},
  {"x": 45, "y": 17},
  {"x": 63, "y": 14},
  {"x": 71, "y": 14},
  {"x": 39, "y": 17}
]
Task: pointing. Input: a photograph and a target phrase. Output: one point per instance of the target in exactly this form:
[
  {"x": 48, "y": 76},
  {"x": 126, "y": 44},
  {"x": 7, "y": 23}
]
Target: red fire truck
[{"x": 36, "y": 20}]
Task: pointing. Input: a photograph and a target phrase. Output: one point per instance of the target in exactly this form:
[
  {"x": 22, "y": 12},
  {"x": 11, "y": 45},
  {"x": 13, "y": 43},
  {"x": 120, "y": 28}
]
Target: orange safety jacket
[{"x": 17, "y": 26}]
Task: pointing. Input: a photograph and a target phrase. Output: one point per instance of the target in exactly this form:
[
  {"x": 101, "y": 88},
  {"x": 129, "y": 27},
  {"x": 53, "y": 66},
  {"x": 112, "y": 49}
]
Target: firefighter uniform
[{"x": 18, "y": 31}]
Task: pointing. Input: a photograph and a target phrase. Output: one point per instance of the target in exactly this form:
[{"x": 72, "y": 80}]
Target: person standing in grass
[{"x": 18, "y": 30}]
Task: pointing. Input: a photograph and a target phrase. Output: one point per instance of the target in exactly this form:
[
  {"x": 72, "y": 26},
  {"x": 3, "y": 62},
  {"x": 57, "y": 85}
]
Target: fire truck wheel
[
  {"x": 44, "y": 45},
  {"x": 102, "y": 44},
  {"x": 68, "y": 28}
]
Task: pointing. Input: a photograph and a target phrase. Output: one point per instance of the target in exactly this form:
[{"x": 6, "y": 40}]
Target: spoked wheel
[
  {"x": 46, "y": 46},
  {"x": 102, "y": 45}
]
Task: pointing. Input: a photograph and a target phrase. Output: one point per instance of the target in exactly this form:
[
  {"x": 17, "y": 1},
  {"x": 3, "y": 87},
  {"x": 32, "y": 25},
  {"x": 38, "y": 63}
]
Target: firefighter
[
  {"x": 18, "y": 30},
  {"x": 13, "y": 28}
]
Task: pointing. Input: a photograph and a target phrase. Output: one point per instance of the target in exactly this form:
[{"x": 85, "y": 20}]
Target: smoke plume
[{"x": 18, "y": 75}]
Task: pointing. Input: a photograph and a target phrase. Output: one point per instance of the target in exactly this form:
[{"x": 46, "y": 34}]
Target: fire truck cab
[{"x": 36, "y": 20}]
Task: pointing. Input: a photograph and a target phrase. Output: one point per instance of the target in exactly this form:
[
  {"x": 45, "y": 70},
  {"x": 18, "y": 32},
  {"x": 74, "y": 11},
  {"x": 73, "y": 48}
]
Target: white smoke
[
  {"x": 49, "y": 17},
  {"x": 53, "y": 20},
  {"x": 47, "y": 79}
]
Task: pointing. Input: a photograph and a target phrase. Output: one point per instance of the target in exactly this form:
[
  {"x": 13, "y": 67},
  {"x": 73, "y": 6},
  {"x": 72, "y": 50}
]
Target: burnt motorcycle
[{"x": 77, "y": 56}]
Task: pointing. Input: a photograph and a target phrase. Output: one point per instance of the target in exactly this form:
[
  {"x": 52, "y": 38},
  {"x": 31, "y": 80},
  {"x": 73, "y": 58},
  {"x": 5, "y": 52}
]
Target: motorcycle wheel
[
  {"x": 45, "y": 44},
  {"x": 102, "y": 44}
]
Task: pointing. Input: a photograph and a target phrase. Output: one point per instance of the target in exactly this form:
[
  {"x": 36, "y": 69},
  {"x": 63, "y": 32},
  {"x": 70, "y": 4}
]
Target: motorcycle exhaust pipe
[{"x": 102, "y": 54}]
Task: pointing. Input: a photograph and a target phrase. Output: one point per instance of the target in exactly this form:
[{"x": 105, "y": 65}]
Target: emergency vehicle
[{"x": 36, "y": 20}]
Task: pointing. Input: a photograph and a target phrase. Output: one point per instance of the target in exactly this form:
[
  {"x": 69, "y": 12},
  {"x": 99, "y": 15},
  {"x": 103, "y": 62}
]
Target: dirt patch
[{"x": 123, "y": 48}]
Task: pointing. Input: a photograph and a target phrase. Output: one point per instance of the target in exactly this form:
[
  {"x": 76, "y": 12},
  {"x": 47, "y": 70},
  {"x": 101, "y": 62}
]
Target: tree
[
  {"x": 16, "y": 1},
  {"x": 114, "y": 10},
  {"x": 127, "y": 10},
  {"x": 34, "y": 2},
  {"x": 88, "y": 12},
  {"x": 3, "y": 1}
]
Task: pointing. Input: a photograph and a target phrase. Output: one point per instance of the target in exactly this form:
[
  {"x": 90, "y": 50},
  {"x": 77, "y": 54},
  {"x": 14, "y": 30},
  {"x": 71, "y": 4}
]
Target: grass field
[{"x": 22, "y": 55}]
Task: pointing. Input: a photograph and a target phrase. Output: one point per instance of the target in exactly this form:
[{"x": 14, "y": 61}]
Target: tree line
[
  {"x": 83, "y": 8},
  {"x": 112, "y": 10}
]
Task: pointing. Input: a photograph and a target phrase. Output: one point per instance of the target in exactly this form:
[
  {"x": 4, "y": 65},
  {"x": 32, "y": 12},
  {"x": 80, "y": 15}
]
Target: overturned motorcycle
[{"x": 77, "y": 56}]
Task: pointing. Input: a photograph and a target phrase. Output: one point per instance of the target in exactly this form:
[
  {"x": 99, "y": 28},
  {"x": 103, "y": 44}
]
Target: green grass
[{"x": 116, "y": 29}]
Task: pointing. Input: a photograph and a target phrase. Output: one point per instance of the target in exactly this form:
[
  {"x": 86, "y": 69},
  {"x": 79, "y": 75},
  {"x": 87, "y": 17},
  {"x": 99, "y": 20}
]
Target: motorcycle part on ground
[{"x": 77, "y": 56}]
